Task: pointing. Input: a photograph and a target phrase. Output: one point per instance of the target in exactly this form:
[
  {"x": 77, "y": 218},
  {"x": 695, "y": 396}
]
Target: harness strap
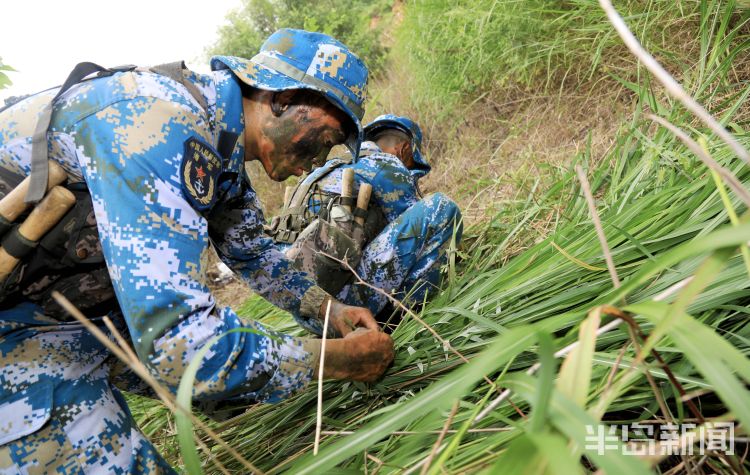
[
  {"x": 301, "y": 190},
  {"x": 286, "y": 236},
  {"x": 225, "y": 145},
  {"x": 176, "y": 71},
  {"x": 39, "y": 150},
  {"x": 39, "y": 176},
  {"x": 16, "y": 245},
  {"x": 291, "y": 220}
]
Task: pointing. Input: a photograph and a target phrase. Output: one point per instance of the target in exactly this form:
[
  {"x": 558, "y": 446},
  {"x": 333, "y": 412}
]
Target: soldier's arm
[
  {"x": 155, "y": 245},
  {"x": 236, "y": 229}
]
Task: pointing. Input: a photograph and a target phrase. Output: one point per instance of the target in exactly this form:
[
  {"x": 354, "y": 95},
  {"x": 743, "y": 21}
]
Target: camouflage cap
[
  {"x": 298, "y": 59},
  {"x": 411, "y": 128}
]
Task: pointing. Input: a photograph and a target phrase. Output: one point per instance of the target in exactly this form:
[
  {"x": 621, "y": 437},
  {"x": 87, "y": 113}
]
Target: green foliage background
[
  {"x": 460, "y": 49},
  {"x": 4, "y": 79},
  {"x": 349, "y": 21}
]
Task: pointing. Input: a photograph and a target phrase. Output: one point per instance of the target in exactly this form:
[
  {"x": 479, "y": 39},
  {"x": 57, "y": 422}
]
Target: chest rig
[
  {"x": 327, "y": 231},
  {"x": 55, "y": 246},
  {"x": 307, "y": 201}
]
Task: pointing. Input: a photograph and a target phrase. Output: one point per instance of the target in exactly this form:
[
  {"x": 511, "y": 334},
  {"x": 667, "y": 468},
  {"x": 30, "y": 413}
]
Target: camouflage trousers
[
  {"x": 404, "y": 260},
  {"x": 61, "y": 412}
]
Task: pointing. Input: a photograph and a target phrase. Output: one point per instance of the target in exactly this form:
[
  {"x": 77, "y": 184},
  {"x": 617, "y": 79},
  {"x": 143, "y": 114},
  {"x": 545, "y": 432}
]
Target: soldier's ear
[
  {"x": 280, "y": 101},
  {"x": 405, "y": 153}
]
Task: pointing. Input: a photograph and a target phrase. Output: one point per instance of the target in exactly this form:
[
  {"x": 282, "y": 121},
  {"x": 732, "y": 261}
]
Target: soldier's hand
[
  {"x": 362, "y": 355},
  {"x": 345, "y": 318}
]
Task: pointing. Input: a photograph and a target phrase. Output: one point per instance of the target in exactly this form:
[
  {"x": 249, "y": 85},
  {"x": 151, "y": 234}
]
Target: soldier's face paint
[{"x": 302, "y": 135}]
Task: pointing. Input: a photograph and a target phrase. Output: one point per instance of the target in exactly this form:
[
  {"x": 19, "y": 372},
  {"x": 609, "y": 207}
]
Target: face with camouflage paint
[{"x": 290, "y": 131}]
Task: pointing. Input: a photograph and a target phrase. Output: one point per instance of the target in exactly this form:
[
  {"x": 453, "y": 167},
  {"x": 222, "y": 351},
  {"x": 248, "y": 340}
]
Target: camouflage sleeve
[
  {"x": 156, "y": 245},
  {"x": 236, "y": 229}
]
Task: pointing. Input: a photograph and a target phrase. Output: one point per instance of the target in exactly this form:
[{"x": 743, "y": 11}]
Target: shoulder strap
[
  {"x": 292, "y": 218},
  {"x": 176, "y": 71},
  {"x": 302, "y": 189},
  {"x": 39, "y": 154}
]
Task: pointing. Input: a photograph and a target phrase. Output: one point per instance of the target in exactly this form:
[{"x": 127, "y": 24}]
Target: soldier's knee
[{"x": 445, "y": 207}]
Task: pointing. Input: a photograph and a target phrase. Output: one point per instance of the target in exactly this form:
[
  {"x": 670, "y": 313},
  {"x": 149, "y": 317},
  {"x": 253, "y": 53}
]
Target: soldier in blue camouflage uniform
[
  {"x": 153, "y": 160},
  {"x": 408, "y": 235}
]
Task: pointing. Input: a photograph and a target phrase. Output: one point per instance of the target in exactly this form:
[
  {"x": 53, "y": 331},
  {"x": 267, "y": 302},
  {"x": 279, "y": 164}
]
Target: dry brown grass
[{"x": 488, "y": 151}]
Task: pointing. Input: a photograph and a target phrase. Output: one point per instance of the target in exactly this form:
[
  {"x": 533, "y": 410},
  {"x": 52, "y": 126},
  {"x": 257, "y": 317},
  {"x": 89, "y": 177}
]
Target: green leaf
[
  {"x": 575, "y": 373},
  {"x": 545, "y": 382},
  {"x": 727, "y": 236},
  {"x": 573, "y": 421},
  {"x": 4, "y": 81},
  {"x": 522, "y": 457},
  {"x": 716, "y": 365},
  {"x": 436, "y": 397},
  {"x": 560, "y": 459}
]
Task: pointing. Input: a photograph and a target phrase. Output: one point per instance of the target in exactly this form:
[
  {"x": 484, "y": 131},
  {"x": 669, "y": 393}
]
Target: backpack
[{"x": 68, "y": 258}]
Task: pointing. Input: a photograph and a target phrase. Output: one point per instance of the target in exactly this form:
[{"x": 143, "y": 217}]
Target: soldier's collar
[
  {"x": 368, "y": 148},
  {"x": 229, "y": 124}
]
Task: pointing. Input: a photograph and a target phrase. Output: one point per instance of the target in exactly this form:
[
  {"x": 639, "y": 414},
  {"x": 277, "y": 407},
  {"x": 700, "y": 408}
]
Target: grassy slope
[{"x": 518, "y": 144}]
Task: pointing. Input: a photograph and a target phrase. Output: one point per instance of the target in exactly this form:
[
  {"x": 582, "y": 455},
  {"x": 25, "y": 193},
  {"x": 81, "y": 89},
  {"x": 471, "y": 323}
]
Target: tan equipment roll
[
  {"x": 12, "y": 205},
  {"x": 363, "y": 201},
  {"x": 42, "y": 218},
  {"x": 347, "y": 188}
]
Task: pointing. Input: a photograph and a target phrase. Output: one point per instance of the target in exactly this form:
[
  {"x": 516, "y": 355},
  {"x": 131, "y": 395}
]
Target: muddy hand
[
  {"x": 362, "y": 355},
  {"x": 345, "y": 318}
]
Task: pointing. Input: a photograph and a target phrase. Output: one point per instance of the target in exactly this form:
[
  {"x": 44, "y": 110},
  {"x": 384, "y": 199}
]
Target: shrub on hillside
[{"x": 357, "y": 23}]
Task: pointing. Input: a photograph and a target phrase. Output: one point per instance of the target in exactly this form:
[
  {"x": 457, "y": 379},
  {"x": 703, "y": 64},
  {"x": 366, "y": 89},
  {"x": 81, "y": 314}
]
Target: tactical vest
[
  {"x": 298, "y": 211},
  {"x": 69, "y": 258},
  {"x": 322, "y": 233}
]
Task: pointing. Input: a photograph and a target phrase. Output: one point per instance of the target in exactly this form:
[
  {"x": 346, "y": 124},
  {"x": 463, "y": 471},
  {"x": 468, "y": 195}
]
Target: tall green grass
[{"x": 458, "y": 51}]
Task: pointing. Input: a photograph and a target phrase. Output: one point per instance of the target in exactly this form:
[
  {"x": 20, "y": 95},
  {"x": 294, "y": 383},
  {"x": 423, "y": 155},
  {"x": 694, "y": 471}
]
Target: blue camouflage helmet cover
[
  {"x": 411, "y": 128},
  {"x": 298, "y": 59}
]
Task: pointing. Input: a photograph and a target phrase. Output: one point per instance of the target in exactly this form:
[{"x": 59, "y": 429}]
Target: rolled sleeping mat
[
  {"x": 13, "y": 205},
  {"x": 23, "y": 238},
  {"x": 347, "y": 189},
  {"x": 363, "y": 201}
]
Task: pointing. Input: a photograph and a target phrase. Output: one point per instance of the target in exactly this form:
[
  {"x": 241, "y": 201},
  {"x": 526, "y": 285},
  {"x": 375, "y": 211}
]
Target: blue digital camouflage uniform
[
  {"x": 405, "y": 257},
  {"x": 145, "y": 149}
]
